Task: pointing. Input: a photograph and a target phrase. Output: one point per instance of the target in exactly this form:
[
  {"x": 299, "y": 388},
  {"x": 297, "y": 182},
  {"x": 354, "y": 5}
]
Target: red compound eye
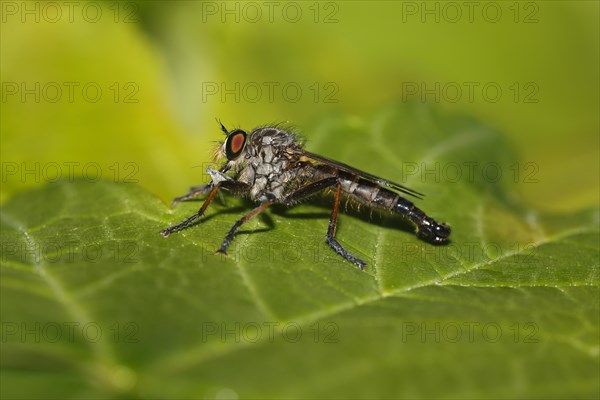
[{"x": 234, "y": 144}]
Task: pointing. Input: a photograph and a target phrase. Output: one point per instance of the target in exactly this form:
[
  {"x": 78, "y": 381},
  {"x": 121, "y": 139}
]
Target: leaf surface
[{"x": 96, "y": 303}]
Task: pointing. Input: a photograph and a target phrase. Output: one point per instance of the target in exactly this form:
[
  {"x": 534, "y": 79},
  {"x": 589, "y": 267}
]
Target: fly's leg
[
  {"x": 167, "y": 231},
  {"x": 290, "y": 199},
  {"x": 195, "y": 191},
  {"x": 312, "y": 189},
  {"x": 262, "y": 207},
  {"x": 231, "y": 185},
  {"x": 333, "y": 243}
]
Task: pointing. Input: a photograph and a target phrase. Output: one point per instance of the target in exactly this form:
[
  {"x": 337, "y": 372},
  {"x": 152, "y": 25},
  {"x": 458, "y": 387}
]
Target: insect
[{"x": 269, "y": 165}]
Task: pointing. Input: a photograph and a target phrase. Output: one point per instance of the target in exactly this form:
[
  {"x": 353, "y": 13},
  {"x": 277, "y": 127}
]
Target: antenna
[{"x": 222, "y": 127}]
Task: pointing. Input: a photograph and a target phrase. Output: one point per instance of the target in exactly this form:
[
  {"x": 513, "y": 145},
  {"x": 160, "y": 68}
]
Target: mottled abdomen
[{"x": 373, "y": 195}]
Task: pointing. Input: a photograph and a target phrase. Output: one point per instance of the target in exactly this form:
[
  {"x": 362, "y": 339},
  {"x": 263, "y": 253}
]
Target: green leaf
[{"x": 96, "y": 303}]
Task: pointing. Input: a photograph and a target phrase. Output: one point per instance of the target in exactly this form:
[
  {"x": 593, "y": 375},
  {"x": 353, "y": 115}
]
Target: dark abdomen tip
[{"x": 433, "y": 232}]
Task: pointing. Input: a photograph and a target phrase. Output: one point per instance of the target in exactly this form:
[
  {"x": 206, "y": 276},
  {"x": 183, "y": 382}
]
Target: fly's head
[{"x": 232, "y": 149}]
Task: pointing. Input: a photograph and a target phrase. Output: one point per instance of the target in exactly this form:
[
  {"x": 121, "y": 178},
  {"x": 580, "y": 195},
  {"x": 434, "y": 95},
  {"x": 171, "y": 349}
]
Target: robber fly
[{"x": 270, "y": 165}]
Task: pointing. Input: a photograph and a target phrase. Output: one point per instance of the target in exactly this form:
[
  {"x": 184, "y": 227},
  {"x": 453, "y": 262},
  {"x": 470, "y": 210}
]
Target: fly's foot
[
  {"x": 178, "y": 200},
  {"x": 167, "y": 231},
  {"x": 359, "y": 263},
  {"x": 221, "y": 250},
  {"x": 337, "y": 247}
]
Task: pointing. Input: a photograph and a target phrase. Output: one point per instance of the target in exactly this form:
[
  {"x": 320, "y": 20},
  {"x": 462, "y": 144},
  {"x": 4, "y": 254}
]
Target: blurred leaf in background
[
  {"x": 128, "y": 92},
  {"x": 165, "y": 71}
]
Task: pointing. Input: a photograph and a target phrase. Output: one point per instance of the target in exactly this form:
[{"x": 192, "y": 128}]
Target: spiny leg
[
  {"x": 194, "y": 191},
  {"x": 334, "y": 244},
  {"x": 312, "y": 189},
  {"x": 198, "y": 190},
  {"x": 166, "y": 232},
  {"x": 235, "y": 186},
  {"x": 223, "y": 249}
]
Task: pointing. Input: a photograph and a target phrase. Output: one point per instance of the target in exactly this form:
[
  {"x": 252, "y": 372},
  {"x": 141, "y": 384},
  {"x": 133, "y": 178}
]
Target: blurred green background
[
  {"x": 166, "y": 70},
  {"x": 129, "y": 92}
]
